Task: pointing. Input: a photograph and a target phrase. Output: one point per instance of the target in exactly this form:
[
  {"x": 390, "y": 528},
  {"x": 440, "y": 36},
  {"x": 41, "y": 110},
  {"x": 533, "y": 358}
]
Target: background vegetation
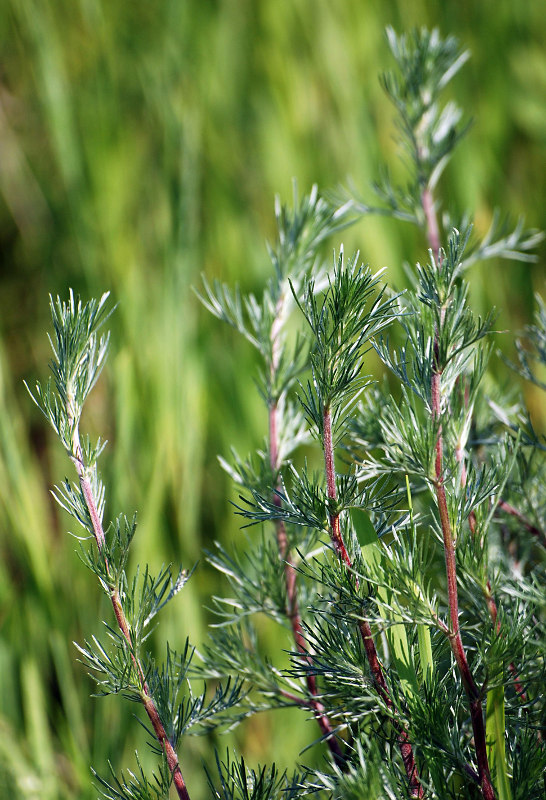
[{"x": 141, "y": 144}]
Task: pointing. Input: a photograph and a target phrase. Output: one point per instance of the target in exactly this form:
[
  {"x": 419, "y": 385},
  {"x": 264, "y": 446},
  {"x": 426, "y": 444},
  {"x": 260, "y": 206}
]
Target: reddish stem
[
  {"x": 91, "y": 507},
  {"x": 335, "y": 529},
  {"x": 406, "y": 749},
  {"x": 455, "y": 640},
  {"x": 431, "y": 223},
  {"x": 493, "y": 611},
  {"x": 514, "y": 512},
  {"x": 147, "y": 701},
  {"x": 292, "y": 606},
  {"x": 491, "y": 604}
]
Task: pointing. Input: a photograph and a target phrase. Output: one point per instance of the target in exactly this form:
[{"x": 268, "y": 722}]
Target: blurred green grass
[{"x": 142, "y": 144}]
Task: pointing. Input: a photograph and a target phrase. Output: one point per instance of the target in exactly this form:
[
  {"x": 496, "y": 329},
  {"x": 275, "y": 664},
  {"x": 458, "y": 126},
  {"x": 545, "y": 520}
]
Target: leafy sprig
[{"x": 121, "y": 664}]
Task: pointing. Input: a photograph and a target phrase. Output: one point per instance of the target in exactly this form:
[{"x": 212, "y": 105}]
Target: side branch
[{"x": 529, "y": 526}]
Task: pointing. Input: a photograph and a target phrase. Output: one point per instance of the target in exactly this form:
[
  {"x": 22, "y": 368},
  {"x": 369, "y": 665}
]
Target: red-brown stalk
[
  {"x": 514, "y": 512},
  {"x": 455, "y": 640},
  {"x": 406, "y": 749},
  {"x": 491, "y": 604},
  {"x": 147, "y": 700},
  {"x": 290, "y": 574}
]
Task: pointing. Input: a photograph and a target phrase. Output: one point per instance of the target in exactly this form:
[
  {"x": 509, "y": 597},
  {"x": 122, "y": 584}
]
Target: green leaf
[
  {"x": 399, "y": 648},
  {"x": 494, "y": 729},
  {"x": 365, "y": 533},
  {"x": 423, "y": 632}
]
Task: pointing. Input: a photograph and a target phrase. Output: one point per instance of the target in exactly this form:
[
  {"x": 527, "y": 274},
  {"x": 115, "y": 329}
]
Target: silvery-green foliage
[{"x": 403, "y": 558}]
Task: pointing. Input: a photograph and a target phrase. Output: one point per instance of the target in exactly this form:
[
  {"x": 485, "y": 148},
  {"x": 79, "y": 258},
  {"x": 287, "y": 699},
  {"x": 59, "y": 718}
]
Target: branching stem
[
  {"x": 455, "y": 639},
  {"x": 292, "y": 606},
  {"x": 406, "y": 749},
  {"x": 147, "y": 700}
]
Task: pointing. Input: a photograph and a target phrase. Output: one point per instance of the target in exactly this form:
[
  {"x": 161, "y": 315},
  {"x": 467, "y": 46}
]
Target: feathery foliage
[
  {"x": 421, "y": 661},
  {"x": 407, "y": 570}
]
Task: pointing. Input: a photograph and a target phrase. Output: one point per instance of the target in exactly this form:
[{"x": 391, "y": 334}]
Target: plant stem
[
  {"x": 514, "y": 512},
  {"x": 147, "y": 700},
  {"x": 455, "y": 639},
  {"x": 431, "y": 222},
  {"x": 292, "y": 606},
  {"x": 491, "y": 604},
  {"x": 406, "y": 749},
  {"x": 337, "y": 538}
]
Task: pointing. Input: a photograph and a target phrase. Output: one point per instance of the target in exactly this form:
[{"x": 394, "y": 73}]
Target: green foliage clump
[{"x": 407, "y": 570}]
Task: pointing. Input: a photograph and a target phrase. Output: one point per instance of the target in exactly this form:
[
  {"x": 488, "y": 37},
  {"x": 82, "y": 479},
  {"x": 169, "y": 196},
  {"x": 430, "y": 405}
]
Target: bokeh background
[{"x": 142, "y": 143}]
